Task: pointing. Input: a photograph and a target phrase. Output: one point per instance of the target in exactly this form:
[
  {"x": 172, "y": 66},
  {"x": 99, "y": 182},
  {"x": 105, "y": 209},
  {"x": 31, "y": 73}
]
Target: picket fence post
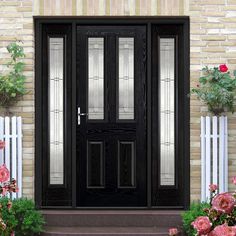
[
  {"x": 11, "y": 133},
  {"x": 214, "y": 163}
]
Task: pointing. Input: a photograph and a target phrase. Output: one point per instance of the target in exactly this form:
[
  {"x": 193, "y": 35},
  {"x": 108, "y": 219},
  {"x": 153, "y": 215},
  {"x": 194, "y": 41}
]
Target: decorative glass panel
[
  {"x": 95, "y": 164},
  {"x": 167, "y": 110},
  {"x": 96, "y": 78},
  {"x": 126, "y": 164},
  {"x": 56, "y": 70},
  {"x": 126, "y": 78}
]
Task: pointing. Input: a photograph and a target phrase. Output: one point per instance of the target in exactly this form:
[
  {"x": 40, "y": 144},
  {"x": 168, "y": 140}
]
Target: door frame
[{"x": 149, "y": 22}]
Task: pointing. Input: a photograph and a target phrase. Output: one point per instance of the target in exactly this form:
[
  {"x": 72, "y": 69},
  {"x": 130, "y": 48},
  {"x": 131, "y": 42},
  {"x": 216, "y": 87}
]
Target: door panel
[
  {"x": 111, "y": 132},
  {"x": 168, "y": 121},
  {"x": 56, "y": 112}
]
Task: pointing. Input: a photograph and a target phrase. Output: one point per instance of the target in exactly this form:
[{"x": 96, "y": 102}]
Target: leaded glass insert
[
  {"x": 126, "y": 78},
  {"x": 96, "y": 78},
  {"x": 56, "y": 77},
  {"x": 167, "y": 110}
]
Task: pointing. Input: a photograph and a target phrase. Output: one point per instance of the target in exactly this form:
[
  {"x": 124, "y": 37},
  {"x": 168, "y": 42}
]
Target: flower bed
[{"x": 216, "y": 218}]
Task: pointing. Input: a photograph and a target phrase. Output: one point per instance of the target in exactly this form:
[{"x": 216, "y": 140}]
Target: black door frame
[{"x": 149, "y": 22}]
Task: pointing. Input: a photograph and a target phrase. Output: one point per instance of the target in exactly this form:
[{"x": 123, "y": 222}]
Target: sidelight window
[
  {"x": 56, "y": 78},
  {"x": 167, "y": 111}
]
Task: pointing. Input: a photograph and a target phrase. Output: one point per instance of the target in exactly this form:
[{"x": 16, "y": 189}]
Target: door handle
[{"x": 80, "y": 114}]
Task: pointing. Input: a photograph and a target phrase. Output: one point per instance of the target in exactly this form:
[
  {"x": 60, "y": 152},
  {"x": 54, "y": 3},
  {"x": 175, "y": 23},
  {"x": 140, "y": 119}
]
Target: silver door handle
[{"x": 80, "y": 114}]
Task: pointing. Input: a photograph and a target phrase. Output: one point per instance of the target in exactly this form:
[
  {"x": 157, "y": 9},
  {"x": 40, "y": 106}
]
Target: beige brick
[
  {"x": 212, "y": 26},
  {"x": 9, "y": 3},
  {"x": 229, "y": 19},
  {"x": 213, "y": 49},
  {"x": 214, "y": 38},
  {"x": 212, "y": 2},
  {"x": 233, "y": 2}
]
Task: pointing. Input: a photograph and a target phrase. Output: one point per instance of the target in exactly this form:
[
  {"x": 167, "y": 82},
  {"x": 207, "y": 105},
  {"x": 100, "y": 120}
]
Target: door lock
[{"x": 80, "y": 114}]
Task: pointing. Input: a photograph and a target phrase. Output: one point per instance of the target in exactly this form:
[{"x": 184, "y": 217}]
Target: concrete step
[
  {"x": 113, "y": 218},
  {"x": 106, "y": 231}
]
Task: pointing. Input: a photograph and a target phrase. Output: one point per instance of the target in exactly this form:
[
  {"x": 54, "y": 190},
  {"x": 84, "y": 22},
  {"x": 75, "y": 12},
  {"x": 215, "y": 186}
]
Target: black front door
[
  {"x": 111, "y": 125},
  {"x": 112, "y": 112}
]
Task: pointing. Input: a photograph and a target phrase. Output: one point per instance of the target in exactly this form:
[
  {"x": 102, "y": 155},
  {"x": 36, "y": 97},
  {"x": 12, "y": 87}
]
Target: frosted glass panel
[
  {"x": 167, "y": 110},
  {"x": 96, "y": 78},
  {"x": 126, "y": 78},
  {"x": 56, "y": 109}
]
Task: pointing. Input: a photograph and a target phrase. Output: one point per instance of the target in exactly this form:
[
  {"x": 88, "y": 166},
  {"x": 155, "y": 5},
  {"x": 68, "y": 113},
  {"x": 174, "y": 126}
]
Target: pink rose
[
  {"x": 223, "y": 68},
  {"x": 2, "y": 144},
  {"x": 213, "y": 187},
  {"x": 173, "y": 231},
  {"x": 4, "y": 173},
  {"x": 202, "y": 224},
  {"x": 223, "y": 230},
  {"x": 234, "y": 180},
  {"x": 223, "y": 202},
  {"x": 4, "y": 190}
]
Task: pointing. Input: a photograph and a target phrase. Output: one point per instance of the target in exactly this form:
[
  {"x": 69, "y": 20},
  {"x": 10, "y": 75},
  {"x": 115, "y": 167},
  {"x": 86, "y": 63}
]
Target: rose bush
[
  {"x": 217, "y": 89},
  {"x": 218, "y": 218},
  {"x": 6, "y": 186}
]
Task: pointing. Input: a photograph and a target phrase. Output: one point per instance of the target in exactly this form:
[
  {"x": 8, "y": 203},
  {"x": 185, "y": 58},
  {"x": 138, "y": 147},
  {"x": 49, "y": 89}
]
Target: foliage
[
  {"x": 12, "y": 84},
  {"x": 217, "y": 89},
  {"x": 196, "y": 209},
  {"x": 22, "y": 217},
  {"x": 29, "y": 220},
  {"x": 18, "y": 217}
]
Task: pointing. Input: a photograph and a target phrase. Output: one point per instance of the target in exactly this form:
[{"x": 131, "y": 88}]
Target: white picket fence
[
  {"x": 11, "y": 155},
  {"x": 214, "y": 154}
]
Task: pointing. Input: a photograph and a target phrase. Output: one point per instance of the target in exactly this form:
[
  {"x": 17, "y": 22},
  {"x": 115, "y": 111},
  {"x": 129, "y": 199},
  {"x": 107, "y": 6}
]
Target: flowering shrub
[
  {"x": 216, "y": 219},
  {"x": 217, "y": 89},
  {"x": 6, "y": 186}
]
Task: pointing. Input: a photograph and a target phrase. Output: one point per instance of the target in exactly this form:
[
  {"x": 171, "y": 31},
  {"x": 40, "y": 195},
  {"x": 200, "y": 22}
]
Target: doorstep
[{"x": 110, "y": 222}]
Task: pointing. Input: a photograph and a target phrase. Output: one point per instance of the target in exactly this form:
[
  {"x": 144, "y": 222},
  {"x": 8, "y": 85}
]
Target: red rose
[{"x": 223, "y": 68}]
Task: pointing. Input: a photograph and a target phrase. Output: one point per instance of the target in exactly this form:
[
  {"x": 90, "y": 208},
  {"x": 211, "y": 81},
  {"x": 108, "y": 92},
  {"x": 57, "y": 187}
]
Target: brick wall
[{"x": 213, "y": 41}]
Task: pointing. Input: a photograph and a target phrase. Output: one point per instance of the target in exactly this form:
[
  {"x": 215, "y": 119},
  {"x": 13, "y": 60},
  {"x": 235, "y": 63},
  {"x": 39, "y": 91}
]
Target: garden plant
[
  {"x": 19, "y": 216},
  {"x": 217, "y": 89},
  {"x": 12, "y": 83},
  {"x": 216, "y": 218}
]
